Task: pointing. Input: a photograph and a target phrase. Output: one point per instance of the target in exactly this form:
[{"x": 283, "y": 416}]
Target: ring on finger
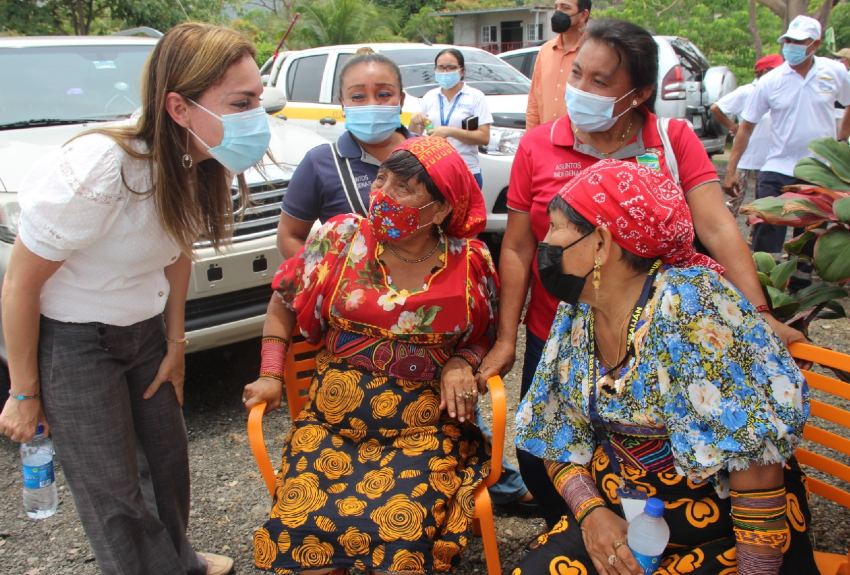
[
  {"x": 618, "y": 543},
  {"x": 612, "y": 559}
]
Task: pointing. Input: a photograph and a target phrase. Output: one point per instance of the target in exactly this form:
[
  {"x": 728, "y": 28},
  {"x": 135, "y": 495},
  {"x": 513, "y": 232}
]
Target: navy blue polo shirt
[{"x": 315, "y": 191}]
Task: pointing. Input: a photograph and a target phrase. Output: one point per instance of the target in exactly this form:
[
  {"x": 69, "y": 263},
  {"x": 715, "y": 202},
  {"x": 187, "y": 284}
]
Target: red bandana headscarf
[
  {"x": 644, "y": 210},
  {"x": 454, "y": 180}
]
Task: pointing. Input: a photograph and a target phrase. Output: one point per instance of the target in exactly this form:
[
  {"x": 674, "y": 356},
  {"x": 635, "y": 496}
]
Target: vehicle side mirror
[{"x": 273, "y": 100}]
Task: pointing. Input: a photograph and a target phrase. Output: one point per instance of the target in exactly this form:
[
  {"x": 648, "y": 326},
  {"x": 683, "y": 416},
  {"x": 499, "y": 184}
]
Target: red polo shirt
[{"x": 546, "y": 160}]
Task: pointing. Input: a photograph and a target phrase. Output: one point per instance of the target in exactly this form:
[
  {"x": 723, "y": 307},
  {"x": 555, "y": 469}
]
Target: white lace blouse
[{"x": 77, "y": 208}]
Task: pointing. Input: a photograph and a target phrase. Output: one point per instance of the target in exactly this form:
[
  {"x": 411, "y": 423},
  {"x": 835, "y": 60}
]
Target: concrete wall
[{"x": 467, "y": 27}]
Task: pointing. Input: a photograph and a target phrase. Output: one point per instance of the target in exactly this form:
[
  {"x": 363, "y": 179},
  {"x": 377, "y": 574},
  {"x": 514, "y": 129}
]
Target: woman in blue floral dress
[{"x": 659, "y": 379}]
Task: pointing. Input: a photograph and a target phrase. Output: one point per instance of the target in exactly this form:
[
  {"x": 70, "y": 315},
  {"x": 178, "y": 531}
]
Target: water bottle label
[
  {"x": 649, "y": 563},
  {"x": 38, "y": 476}
]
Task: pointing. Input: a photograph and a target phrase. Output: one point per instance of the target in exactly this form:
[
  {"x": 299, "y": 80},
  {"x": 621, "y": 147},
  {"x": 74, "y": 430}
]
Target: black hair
[
  {"x": 368, "y": 56},
  {"x": 454, "y": 52},
  {"x": 635, "y": 47},
  {"x": 406, "y": 166},
  {"x": 634, "y": 261},
  {"x": 584, "y": 5}
]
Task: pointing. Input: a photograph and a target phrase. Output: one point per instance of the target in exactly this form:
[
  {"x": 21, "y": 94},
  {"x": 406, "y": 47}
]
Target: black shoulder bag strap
[{"x": 346, "y": 177}]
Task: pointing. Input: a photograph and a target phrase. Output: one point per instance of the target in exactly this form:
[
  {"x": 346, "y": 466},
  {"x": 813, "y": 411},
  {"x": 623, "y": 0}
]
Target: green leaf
[
  {"x": 764, "y": 279},
  {"x": 832, "y": 255},
  {"x": 836, "y": 153},
  {"x": 782, "y": 304},
  {"x": 819, "y": 293},
  {"x": 764, "y": 261},
  {"x": 814, "y": 171},
  {"x": 795, "y": 245},
  {"x": 842, "y": 210},
  {"x": 780, "y": 275}
]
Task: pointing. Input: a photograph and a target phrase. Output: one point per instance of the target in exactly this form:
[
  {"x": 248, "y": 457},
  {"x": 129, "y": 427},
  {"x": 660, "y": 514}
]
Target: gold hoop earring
[
  {"x": 186, "y": 159},
  {"x": 596, "y": 280}
]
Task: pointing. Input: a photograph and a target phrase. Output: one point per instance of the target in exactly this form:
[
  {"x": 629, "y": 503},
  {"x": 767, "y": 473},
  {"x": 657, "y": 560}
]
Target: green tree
[
  {"x": 329, "y": 22},
  {"x": 719, "y": 28},
  {"x": 428, "y": 25}
]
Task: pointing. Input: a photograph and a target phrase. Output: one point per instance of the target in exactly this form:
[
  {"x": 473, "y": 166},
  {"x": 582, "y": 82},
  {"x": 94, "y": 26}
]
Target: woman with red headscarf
[
  {"x": 659, "y": 379},
  {"x": 379, "y": 470}
]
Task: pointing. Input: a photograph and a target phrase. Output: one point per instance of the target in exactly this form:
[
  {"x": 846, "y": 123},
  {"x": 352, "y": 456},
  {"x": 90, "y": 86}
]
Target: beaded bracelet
[
  {"x": 182, "y": 340},
  {"x": 22, "y": 397},
  {"x": 763, "y": 308},
  {"x": 273, "y": 357},
  {"x": 576, "y": 486}
]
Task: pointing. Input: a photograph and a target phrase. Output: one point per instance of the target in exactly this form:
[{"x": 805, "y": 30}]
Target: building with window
[{"x": 501, "y": 29}]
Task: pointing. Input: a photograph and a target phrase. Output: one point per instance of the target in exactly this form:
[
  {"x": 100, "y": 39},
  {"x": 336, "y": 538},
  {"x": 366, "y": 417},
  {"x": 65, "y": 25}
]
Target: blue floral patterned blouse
[{"x": 706, "y": 368}]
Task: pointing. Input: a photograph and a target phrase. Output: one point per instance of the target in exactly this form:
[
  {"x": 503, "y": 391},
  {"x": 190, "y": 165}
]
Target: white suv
[
  {"x": 310, "y": 81},
  {"x": 56, "y": 87},
  {"x": 687, "y": 85}
]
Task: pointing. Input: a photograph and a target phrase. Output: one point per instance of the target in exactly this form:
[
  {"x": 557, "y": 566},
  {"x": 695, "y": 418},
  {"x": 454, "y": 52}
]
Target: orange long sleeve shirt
[{"x": 549, "y": 83}]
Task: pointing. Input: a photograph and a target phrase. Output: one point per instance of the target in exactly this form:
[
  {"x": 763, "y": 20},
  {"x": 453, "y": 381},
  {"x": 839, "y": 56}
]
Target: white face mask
[{"x": 591, "y": 112}]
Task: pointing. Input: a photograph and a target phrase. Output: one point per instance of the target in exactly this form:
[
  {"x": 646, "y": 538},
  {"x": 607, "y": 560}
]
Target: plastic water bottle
[
  {"x": 40, "y": 497},
  {"x": 648, "y": 535}
]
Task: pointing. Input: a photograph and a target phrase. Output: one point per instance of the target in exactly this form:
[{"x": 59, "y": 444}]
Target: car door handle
[{"x": 328, "y": 122}]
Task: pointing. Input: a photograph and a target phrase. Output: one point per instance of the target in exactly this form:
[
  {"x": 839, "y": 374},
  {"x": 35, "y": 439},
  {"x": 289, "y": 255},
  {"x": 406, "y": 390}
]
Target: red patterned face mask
[{"x": 391, "y": 220}]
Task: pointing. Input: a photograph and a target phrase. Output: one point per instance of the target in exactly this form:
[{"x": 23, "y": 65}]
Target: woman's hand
[
  {"x": 172, "y": 369},
  {"x": 20, "y": 418},
  {"x": 498, "y": 361},
  {"x": 417, "y": 123},
  {"x": 604, "y": 534},
  {"x": 458, "y": 390},
  {"x": 786, "y": 333},
  {"x": 264, "y": 389}
]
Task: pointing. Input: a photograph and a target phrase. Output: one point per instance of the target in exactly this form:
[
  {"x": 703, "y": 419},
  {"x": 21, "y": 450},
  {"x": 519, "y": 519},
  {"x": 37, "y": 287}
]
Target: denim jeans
[
  {"x": 767, "y": 237},
  {"x": 552, "y": 506},
  {"x": 510, "y": 486}
]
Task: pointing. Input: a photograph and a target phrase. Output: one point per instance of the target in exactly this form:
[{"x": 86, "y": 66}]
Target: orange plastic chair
[
  {"x": 828, "y": 563},
  {"x": 300, "y": 365}
]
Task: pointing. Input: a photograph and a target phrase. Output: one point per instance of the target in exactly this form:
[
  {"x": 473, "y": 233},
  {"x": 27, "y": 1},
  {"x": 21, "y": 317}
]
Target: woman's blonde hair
[{"x": 191, "y": 203}]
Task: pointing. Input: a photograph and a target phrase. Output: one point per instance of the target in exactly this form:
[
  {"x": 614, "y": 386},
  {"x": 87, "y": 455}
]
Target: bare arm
[
  {"x": 21, "y": 308},
  {"x": 724, "y": 120},
  {"x": 173, "y": 366},
  {"x": 291, "y": 234},
  {"x": 280, "y": 321},
  {"x": 739, "y": 146},
  {"x": 479, "y": 137},
  {"x": 844, "y": 128},
  {"x": 518, "y": 249},
  {"x": 718, "y": 231}
]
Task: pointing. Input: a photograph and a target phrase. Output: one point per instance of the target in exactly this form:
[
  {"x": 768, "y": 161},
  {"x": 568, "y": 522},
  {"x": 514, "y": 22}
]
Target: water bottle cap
[
  {"x": 39, "y": 429},
  {"x": 654, "y": 507}
]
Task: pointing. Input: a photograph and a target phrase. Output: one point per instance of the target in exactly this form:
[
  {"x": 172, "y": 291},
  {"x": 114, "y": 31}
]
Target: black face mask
[
  {"x": 565, "y": 287},
  {"x": 561, "y": 22}
]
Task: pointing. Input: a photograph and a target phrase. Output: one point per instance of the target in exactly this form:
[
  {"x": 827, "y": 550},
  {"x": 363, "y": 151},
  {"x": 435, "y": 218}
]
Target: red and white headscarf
[
  {"x": 644, "y": 210},
  {"x": 454, "y": 180}
]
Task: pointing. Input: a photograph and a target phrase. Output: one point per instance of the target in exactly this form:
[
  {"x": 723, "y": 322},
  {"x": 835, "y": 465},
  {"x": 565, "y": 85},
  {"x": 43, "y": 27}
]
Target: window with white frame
[
  {"x": 489, "y": 34},
  {"x": 534, "y": 32}
]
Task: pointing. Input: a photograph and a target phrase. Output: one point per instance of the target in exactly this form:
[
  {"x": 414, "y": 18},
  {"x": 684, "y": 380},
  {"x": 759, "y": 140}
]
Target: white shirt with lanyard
[{"x": 467, "y": 102}]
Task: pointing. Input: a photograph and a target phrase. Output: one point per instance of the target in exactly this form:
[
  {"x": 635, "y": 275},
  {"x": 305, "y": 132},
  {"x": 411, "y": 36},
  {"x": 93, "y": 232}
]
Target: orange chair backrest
[
  {"x": 298, "y": 373},
  {"x": 824, "y": 410}
]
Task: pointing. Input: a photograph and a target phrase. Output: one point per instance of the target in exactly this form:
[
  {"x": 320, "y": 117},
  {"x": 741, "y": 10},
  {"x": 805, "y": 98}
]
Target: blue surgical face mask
[
  {"x": 245, "y": 140},
  {"x": 372, "y": 124},
  {"x": 591, "y": 112},
  {"x": 447, "y": 80},
  {"x": 795, "y": 54}
]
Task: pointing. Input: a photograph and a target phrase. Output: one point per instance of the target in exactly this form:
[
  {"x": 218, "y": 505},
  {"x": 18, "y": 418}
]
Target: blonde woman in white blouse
[{"x": 94, "y": 295}]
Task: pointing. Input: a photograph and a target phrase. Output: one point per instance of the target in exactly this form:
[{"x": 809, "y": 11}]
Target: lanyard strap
[
  {"x": 600, "y": 431},
  {"x": 444, "y": 120}
]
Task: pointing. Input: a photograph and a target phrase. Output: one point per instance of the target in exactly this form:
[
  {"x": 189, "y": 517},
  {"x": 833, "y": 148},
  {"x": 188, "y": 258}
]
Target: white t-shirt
[
  {"x": 732, "y": 104},
  {"x": 801, "y": 109},
  {"x": 467, "y": 102},
  {"x": 76, "y": 208}
]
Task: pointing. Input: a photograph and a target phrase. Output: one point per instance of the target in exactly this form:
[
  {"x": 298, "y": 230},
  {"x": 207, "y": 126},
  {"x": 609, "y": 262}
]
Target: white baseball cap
[{"x": 802, "y": 28}]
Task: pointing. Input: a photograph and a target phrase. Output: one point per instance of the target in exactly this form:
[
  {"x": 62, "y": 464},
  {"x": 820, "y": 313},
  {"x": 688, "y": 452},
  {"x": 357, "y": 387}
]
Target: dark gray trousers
[{"x": 92, "y": 380}]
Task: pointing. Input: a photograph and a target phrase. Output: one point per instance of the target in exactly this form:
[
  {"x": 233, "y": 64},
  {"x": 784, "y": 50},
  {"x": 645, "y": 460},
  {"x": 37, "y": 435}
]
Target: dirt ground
[{"x": 229, "y": 500}]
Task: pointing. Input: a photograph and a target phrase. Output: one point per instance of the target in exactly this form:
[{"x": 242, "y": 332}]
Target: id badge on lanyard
[{"x": 632, "y": 500}]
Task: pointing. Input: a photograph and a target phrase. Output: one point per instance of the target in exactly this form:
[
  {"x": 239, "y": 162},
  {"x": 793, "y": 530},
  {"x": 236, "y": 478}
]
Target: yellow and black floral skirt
[
  {"x": 701, "y": 539},
  {"x": 373, "y": 477}
]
